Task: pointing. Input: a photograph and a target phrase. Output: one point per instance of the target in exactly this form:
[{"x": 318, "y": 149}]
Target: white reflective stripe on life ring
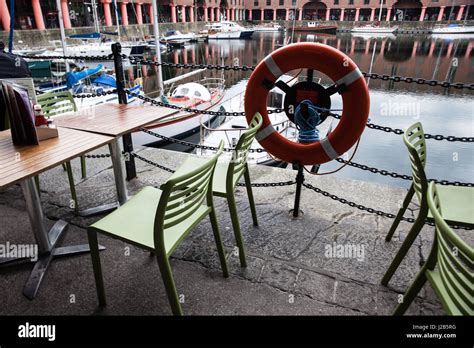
[
  {"x": 349, "y": 78},
  {"x": 265, "y": 132},
  {"x": 272, "y": 66},
  {"x": 327, "y": 147}
]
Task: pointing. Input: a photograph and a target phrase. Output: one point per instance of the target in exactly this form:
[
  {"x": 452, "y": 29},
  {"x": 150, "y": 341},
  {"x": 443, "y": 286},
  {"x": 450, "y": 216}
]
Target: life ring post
[{"x": 299, "y": 183}]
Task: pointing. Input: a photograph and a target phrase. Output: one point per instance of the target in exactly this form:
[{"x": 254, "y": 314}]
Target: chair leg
[
  {"x": 64, "y": 167},
  {"x": 411, "y": 293},
  {"x": 248, "y": 186},
  {"x": 83, "y": 167},
  {"x": 218, "y": 239},
  {"x": 236, "y": 226},
  {"x": 170, "y": 287},
  {"x": 414, "y": 231},
  {"x": 72, "y": 186},
  {"x": 99, "y": 281},
  {"x": 400, "y": 213}
]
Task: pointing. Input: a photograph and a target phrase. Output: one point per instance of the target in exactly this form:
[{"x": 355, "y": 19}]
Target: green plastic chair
[
  {"x": 457, "y": 200},
  {"x": 453, "y": 280},
  {"x": 157, "y": 220},
  {"x": 57, "y": 103},
  {"x": 226, "y": 177}
]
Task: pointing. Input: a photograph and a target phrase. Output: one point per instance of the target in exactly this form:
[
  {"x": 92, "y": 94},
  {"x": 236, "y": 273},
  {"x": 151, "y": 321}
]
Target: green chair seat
[
  {"x": 457, "y": 204},
  {"x": 157, "y": 220},
  {"x": 220, "y": 174},
  {"x": 448, "y": 267},
  {"x": 134, "y": 224},
  {"x": 457, "y": 200}
]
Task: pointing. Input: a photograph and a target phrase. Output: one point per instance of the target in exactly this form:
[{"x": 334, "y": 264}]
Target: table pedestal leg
[
  {"x": 120, "y": 185},
  {"x": 46, "y": 241}
]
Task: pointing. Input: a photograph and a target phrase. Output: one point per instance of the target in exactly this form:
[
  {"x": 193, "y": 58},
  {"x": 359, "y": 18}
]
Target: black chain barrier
[
  {"x": 193, "y": 145},
  {"x": 368, "y": 209},
  {"x": 88, "y": 58},
  {"x": 383, "y": 77},
  {"x": 397, "y": 131},
  {"x": 141, "y": 60},
  {"x": 384, "y": 172},
  {"x": 266, "y": 184},
  {"x": 93, "y": 95}
]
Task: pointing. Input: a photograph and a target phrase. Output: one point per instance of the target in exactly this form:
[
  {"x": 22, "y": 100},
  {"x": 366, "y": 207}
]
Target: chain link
[
  {"x": 419, "y": 81},
  {"x": 142, "y": 61},
  {"x": 384, "y": 172},
  {"x": 93, "y": 95},
  {"x": 193, "y": 145},
  {"x": 399, "y": 131},
  {"x": 88, "y": 58},
  {"x": 368, "y": 209},
  {"x": 266, "y": 184}
]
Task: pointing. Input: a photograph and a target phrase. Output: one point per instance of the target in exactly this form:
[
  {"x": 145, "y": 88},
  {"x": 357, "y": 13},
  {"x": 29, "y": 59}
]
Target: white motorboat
[
  {"x": 368, "y": 36},
  {"x": 204, "y": 94},
  {"x": 91, "y": 49},
  {"x": 175, "y": 36},
  {"x": 272, "y": 27},
  {"x": 373, "y": 29},
  {"x": 227, "y": 30},
  {"x": 454, "y": 29}
]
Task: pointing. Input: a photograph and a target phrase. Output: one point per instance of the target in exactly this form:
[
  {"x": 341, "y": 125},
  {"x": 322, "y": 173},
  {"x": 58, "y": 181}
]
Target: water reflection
[{"x": 442, "y": 111}]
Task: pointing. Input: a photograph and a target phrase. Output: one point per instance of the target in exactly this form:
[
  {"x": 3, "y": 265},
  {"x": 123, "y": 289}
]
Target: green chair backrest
[
  {"x": 238, "y": 162},
  {"x": 182, "y": 196},
  {"x": 455, "y": 259},
  {"x": 56, "y": 103},
  {"x": 414, "y": 139}
]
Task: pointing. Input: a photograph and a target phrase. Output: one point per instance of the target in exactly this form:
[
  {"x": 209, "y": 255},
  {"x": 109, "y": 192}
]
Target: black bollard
[{"x": 122, "y": 97}]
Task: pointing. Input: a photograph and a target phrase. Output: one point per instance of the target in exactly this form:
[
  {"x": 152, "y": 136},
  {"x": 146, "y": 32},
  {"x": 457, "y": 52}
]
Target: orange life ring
[{"x": 337, "y": 66}]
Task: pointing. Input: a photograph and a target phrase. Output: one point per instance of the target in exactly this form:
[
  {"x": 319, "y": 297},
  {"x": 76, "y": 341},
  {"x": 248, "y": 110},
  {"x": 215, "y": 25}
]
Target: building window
[
  {"x": 293, "y": 2},
  {"x": 269, "y": 2},
  {"x": 255, "y": 3},
  {"x": 282, "y": 2},
  {"x": 366, "y": 2},
  {"x": 351, "y": 2},
  {"x": 336, "y": 2}
]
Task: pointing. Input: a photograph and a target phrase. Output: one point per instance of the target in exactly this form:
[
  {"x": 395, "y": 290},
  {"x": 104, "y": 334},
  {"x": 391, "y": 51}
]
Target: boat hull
[
  {"x": 247, "y": 34},
  {"x": 320, "y": 29},
  {"x": 374, "y": 30}
]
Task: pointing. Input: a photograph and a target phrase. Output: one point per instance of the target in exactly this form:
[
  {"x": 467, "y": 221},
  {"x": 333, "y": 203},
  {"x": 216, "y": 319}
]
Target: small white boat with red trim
[{"x": 202, "y": 95}]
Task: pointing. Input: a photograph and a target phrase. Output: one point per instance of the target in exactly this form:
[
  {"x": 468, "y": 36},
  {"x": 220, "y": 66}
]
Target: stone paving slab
[{"x": 289, "y": 271}]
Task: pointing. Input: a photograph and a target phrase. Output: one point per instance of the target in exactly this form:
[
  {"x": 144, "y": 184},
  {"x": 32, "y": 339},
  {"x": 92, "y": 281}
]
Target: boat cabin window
[{"x": 197, "y": 93}]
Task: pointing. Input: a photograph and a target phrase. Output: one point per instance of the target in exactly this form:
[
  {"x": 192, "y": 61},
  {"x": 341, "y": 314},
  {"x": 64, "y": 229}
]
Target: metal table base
[{"x": 46, "y": 241}]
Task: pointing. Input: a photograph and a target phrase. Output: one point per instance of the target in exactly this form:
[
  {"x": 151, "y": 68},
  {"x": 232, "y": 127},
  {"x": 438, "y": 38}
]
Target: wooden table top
[
  {"x": 21, "y": 162},
  {"x": 112, "y": 119}
]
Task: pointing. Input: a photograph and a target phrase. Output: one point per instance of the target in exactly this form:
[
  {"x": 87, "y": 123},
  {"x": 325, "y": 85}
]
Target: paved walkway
[{"x": 289, "y": 269}]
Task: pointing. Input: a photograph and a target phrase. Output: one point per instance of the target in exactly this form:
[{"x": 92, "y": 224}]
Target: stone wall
[{"x": 41, "y": 38}]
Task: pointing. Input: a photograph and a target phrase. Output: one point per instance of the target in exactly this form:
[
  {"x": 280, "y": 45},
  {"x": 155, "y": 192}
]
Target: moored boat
[
  {"x": 454, "y": 29},
  {"x": 204, "y": 94},
  {"x": 374, "y": 29},
  {"x": 317, "y": 28},
  {"x": 227, "y": 30}
]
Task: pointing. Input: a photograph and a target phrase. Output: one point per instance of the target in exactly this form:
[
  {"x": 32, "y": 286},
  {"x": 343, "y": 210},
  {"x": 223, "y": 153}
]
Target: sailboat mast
[
  {"x": 63, "y": 34},
  {"x": 95, "y": 16},
  {"x": 156, "y": 33},
  {"x": 117, "y": 19},
  {"x": 380, "y": 12}
]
